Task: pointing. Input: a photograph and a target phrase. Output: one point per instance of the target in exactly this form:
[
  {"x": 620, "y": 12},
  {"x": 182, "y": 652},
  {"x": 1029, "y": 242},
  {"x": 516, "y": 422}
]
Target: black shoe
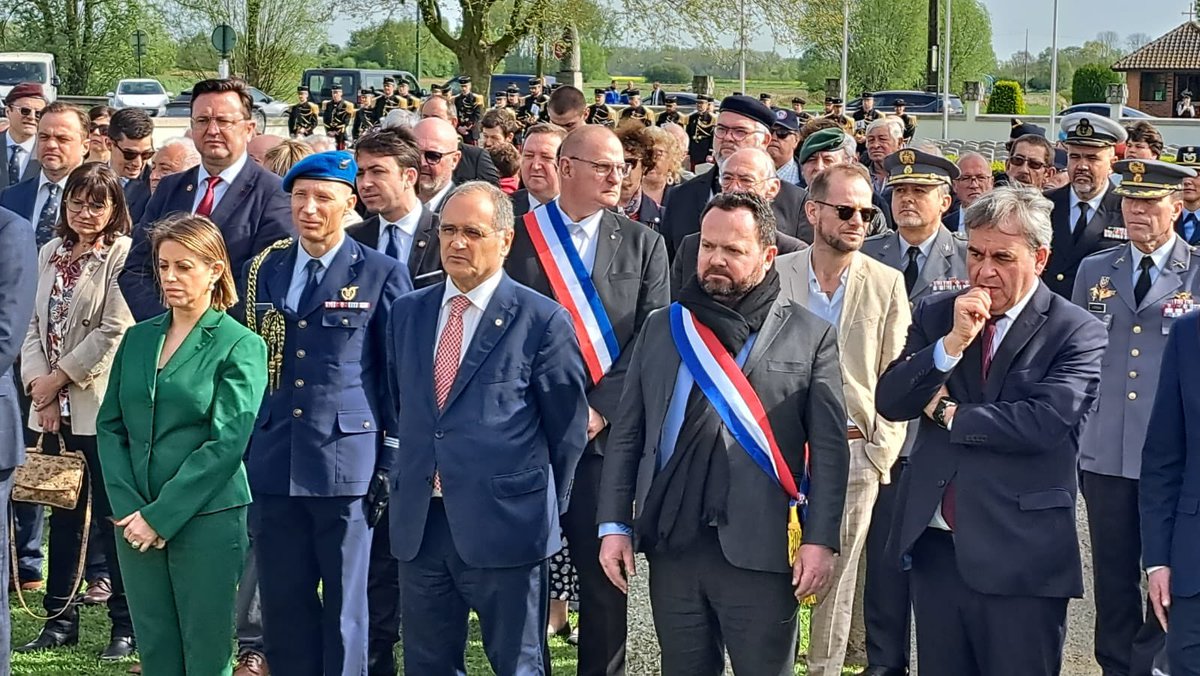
[
  {"x": 119, "y": 647},
  {"x": 884, "y": 671},
  {"x": 48, "y": 640}
]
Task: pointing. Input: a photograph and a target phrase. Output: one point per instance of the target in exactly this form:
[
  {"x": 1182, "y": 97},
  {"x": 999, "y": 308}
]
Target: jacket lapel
[
  {"x": 855, "y": 279},
  {"x": 496, "y": 319},
  {"x": 234, "y": 197},
  {"x": 793, "y": 276},
  {"x": 196, "y": 339},
  {"x": 767, "y": 334},
  {"x": 1122, "y": 276},
  {"x": 158, "y": 337},
  {"x": 608, "y": 240},
  {"x": 278, "y": 276},
  {"x": 185, "y": 192},
  {"x": 1018, "y": 336},
  {"x": 939, "y": 264},
  {"x": 340, "y": 275},
  {"x": 424, "y": 241}
]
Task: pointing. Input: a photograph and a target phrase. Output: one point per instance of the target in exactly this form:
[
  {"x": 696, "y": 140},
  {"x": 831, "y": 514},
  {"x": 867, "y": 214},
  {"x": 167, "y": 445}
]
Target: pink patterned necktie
[{"x": 445, "y": 363}]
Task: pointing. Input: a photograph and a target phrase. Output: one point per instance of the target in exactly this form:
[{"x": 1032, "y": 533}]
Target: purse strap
[{"x": 87, "y": 527}]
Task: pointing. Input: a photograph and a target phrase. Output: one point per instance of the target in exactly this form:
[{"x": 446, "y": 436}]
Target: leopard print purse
[{"x": 51, "y": 480}]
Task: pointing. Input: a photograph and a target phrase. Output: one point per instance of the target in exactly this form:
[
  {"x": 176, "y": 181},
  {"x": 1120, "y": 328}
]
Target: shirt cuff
[
  {"x": 1151, "y": 569},
  {"x": 614, "y": 528},
  {"x": 944, "y": 362}
]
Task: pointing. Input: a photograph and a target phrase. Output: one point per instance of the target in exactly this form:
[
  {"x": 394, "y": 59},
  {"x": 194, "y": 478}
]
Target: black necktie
[
  {"x": 1081, "y": 222},
  {"x": 14, "y": 164},
  {"x": 313, "y": 270},
  {"x": 393, "y": 245},
  {"x": 1143, "y": 281},
  {"x": 48, "y": 217},
  {"x": 910, "y": 270}
]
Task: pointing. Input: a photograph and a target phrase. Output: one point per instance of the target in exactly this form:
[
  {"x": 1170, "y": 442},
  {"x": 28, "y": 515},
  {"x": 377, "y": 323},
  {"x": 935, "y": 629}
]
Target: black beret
[{"x": 748, "y": 107}]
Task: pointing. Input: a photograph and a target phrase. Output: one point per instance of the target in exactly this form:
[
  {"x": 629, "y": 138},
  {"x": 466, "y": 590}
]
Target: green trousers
[{"x": 182, "y": 596}]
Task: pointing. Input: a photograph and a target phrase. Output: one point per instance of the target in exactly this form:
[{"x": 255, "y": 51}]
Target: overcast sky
[{"x": 1078, "y": 21}]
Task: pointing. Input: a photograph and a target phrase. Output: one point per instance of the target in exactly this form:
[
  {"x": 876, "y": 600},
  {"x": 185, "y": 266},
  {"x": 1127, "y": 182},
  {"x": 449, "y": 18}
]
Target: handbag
[{"x": 54, "y": 481}]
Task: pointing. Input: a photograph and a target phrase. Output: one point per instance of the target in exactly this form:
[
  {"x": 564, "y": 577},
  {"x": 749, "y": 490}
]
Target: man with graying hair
[
  {"x": 493, "y": 429},
  {"x": 1001, "y": 377},
  {"x": 974, "y": 179}
]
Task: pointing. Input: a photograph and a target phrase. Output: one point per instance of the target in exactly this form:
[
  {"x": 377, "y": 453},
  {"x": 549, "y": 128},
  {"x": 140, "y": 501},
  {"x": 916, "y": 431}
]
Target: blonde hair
[
  {"x": 202, "y": 238},
  {"x": 671, "y": 164},
  {"x": 280, "y": 159}
]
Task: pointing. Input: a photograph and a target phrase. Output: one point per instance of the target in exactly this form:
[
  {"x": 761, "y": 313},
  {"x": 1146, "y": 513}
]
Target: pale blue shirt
[
  {"x": 1189, "y": 227},
  {"x": 1159, "y": 256},
  {"x": 406, "y": 232},
  {"x": 227, "y": 176},
  {"x": 673, "y": 423},
  {"x": 300, "y": 276},
  {"x": 826, "y": 307}
]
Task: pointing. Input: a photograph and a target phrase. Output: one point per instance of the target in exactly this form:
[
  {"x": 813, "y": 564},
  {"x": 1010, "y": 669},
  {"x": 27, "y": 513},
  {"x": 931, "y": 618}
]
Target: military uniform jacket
[
  {"x": 699, "y": 129},
  {"x": 364, "y": 121},
  {"x": 671, "y": 116},
  {"x": 599, "y": 113},
  {"x": 386, "y": 104},
  {"x": 910, "y": 125},
  {"x": 1105, "y": 229},
  {"x": 1137, "y": 335},
  {"x": 318, "y": 433},
  {"x": 470, "y": 108},
  {"x": 530, "y": 113},
  {"x": 303, "y": 118},
  {"x": 638, "y": 113},
  {"x": 867, "y": 116},
  {"x": 338, "y": 116},
  {"x": 944, "y": 270}
]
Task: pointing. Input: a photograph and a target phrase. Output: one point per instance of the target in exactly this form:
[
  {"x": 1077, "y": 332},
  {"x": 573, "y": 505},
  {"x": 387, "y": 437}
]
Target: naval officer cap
[
  {"x": 334, "y": 165},
  {"x": 915, "y": 167},
  {"x": 1150, "y": 179},
  {"x": 1096, "y": 131},
  {"x": 1188, "y": 156}
]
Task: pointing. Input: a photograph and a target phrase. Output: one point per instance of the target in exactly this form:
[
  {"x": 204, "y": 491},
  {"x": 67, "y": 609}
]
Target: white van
[{"x": 18, "y": 67}]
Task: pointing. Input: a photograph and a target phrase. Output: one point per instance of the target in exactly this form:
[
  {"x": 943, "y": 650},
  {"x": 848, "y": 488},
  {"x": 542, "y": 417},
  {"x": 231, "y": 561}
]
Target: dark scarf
[{"x": 692, "y": 491}]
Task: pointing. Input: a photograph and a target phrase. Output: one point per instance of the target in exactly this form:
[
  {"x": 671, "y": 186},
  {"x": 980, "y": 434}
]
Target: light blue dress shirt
[{"x": 300, "y": 277}]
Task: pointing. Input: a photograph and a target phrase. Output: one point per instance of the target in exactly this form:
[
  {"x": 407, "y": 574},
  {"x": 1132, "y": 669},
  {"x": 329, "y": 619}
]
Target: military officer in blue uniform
[
  {"x": 324, "y": 442},
  {"x": 1137, "y": 290}
]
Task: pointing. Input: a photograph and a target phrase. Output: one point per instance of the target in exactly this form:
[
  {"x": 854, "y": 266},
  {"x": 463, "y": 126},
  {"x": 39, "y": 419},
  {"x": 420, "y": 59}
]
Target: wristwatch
[{"x": 939, "y": 411}]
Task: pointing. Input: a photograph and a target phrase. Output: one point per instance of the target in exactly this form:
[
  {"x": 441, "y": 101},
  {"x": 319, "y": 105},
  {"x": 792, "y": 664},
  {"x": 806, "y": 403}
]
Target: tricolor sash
[{"x": 573, "y": 288}]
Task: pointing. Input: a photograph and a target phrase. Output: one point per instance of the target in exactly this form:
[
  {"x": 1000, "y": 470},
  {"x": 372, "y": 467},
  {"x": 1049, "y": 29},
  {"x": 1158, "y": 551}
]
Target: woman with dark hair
[
  {"x": 635, "y": 203},
  {"x": 99, "y": 145},
  {"x": 185, "y": 389},
  {"x": 79, "y": 319}
]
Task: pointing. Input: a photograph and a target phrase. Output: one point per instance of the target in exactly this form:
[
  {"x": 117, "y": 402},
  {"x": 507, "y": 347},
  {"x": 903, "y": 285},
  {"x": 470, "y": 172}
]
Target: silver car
[{"x": 146, "y": 94}]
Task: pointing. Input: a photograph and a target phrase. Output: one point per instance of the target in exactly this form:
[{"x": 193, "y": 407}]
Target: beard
[
  {"x": 726, "y": 292},
  {"x": 834, "y": 242}
]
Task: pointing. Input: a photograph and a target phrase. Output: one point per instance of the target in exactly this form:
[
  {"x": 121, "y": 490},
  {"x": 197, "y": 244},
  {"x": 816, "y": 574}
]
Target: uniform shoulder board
[{"x": 959, "y": 234}]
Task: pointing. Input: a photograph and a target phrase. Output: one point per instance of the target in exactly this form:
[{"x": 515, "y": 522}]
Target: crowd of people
[{"x": 356, "y": 384}]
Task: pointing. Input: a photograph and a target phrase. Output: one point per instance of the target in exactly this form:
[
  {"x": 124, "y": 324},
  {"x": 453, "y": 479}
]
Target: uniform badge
[
  {"x": 1138, "y": 169},
  {"x": 344, "y": 164},
  {"x": 1102, "y": 291},
  {"x": 349, "y": 292},
  {"x": 1116, "y": 233},
  {"x": 421, "y": 244},
  {"x": 1083, "y": 129},
  {"x": 908, "y": 157},
  {"x": 1190, "y": 158},
  {"x": 949, "y": 284}
]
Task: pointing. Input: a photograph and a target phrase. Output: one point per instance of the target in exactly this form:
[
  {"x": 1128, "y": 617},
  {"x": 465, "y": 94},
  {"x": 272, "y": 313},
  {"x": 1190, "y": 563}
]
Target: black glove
[{"x": 377, "y": 498}]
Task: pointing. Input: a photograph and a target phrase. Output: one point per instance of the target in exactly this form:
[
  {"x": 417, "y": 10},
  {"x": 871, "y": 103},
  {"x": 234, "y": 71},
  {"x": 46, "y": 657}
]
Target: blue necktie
[
  {"x": 14, "y": 164},
  {"x": 48, "y": 218},
  {"x": 393, "y": 245},
  {"x": 1189, "y": 228},
  {"x": 313, "y": 270}
]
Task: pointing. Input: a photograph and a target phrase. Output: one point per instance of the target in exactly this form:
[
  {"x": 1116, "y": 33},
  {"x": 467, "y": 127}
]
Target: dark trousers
[
  {"x": 1127, "y": 633},
  {"x": 602, "y": 619},
  {"x": 962, "y": 632},
  {"x": 1183, "y": 641},
  {"x": 30, "y": 523},
  {"x": 703, "y": 606},
  {"x": 887, "y": 606},
  {"x": 383, "y": 603},
  {"x": 97, "y": 558},
  {"x": 66, "y": 541},
  {"x": 6, "y": 483},
  {"x": 248, "y": 606},
  {"x": 303, "y": 544},
  {"x": 440, "y": 590}
]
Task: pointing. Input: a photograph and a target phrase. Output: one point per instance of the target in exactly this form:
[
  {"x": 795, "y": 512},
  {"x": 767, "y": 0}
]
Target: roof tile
[{"x": 1177, "y": 50}]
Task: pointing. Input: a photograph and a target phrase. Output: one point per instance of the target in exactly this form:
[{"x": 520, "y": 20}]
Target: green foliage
[
  {"x": 1090, "y": 83},
  {"x": 391, "y": 44},
  {"x": 1006, "y": 99},
  {"x": 671, "y": 73}
]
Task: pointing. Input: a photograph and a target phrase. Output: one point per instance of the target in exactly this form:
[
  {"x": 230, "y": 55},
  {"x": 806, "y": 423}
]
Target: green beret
[{"x": 820, "y": 141}]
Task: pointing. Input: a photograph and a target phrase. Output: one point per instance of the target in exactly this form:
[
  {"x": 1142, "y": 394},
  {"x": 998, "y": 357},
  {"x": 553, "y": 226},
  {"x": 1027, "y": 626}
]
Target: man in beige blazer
[{"x": 868, "y": 304}]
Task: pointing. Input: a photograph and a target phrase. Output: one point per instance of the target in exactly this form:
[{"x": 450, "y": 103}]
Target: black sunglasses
[
  {"x": 782, "y": 133},
  {"x": 846, "y": 212},
  {"x": 26, "y": 111},
  {"x": 433, "y": 156},
  {"x": 1018, "y": 161},
  {"x": 101, "y": 129},
  {"x": 131, "y": 155}
]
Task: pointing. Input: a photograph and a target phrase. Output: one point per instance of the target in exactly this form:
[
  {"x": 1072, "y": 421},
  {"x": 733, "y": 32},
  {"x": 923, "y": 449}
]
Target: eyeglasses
[
  {"x": 223, "y": 123},
  {"x": 846, "y": 212},
  {"x": 1020, "y": 161},
  {"x": 76, "y": 206},
  {"x": 101, "y": 129},
  {"x": 747, "y": 182},
  {"x": 603, "y": 169},
  {"x": 131, "y": 155},
  {"x": 434, "y": 157},
  {"x": 469, "y": 232},
  {"x": 26, "y": 111},
  {"x": 964, "y": 178},
  {"x": 735, "y": 134},
  {"x": 781, "y": 133}
]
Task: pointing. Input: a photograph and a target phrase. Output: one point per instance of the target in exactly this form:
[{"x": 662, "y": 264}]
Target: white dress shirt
[
  {"x": 43, "y": 193},
  {"x": 1159, "y": 256},
  {"x": 435, "y": 203},
  {"x": 406, "y": 232},
  {"x": 26, "y": 153},
  {"x": 227, "y": 176},
  {"x": 480, "y": 296},
  {"x": 300, "y": 276},
  {"x": 1093, "y": 205},
  {"x": 583, "y": 234}
]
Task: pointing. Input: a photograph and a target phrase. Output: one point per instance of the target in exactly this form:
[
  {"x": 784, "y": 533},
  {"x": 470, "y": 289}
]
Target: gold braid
[{"x": 273, "y": 325}]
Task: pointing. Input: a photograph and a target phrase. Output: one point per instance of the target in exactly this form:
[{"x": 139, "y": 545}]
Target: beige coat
[
  {"x": 871, "y": 334},
  {"x": 97, "y": 321}
]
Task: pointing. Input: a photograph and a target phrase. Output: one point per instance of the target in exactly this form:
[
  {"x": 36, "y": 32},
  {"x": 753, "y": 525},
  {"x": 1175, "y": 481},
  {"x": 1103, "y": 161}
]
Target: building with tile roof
[{"x": 1160, "y": 72}]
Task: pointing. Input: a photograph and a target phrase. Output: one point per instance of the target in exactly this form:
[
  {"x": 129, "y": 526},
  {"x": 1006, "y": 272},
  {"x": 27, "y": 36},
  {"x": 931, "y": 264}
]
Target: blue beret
[{"x": 335, "y": 165}]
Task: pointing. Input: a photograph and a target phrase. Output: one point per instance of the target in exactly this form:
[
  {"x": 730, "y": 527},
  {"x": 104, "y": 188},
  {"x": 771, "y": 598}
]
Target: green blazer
[{"x": 171, "y": 444}]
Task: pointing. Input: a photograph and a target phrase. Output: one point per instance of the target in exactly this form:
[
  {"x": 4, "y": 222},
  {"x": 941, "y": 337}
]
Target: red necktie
[
  {"x": 210, "y": 195},
  {"x": 445, "y": 363},
  {"x": 988, "y": 335}
]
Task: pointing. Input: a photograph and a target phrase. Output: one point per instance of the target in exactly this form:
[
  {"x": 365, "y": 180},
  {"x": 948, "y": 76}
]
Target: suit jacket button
[
  {"x": 439, "y": 434},
  {"x": 345, "y": 322},
  {"x": 300, "y": 354},
  {"x": 1132, "y": 396},
  {"x": 1134, "y": 352},
  {"x": 296, "y": 413},
  {"x": 1060, "y": 277},
  {"x": 366, "y": 424},
  {"x": 299, "y": 382},
  {"x": 1133, "y": 374},
  {"x": 941, "y": 483},
  {"x": 87, "y": 322},
  {"x": 1137, "y": 329},
  {"x": 303, "y": 323}
]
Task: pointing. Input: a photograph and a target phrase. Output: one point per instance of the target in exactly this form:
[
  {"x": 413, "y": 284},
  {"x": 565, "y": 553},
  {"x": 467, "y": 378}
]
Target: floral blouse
[{"x": 67, "y": 273}]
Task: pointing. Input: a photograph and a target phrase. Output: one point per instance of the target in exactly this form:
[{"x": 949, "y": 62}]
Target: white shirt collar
[
  {"x": 1015, "y": 310},
  {"x": 27, "y": 146},
  {"x": 590, "y": 224},
  {"x": 1159, "y": 255},
  {"x": 1093, "y": 204},
  {"x": 533, "y": 201},
  {"x": 436, "y": 201},
  {"x": 814, "y": 286},
  {"x": 480, "y": 296},
  {"x": 407, "y": 223},
  {"x": 231, "y": 172},
  {"x": 43, "y": 180}
]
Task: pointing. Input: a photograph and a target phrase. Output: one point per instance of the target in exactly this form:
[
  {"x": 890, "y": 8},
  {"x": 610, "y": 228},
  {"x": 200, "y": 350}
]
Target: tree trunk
[
  {"x": 477, "y": 61},
  {"x": 253, "y": 61}
]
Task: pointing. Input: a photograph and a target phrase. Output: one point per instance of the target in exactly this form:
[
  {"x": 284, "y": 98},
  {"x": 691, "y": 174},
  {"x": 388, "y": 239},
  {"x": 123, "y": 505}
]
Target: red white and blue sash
[
  {"x": 730, "y": 393},
  {"x": 573, "y": 288}
]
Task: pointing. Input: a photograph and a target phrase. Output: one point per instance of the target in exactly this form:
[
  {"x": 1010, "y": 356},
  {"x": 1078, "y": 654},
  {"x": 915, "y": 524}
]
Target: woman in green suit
[{"x": 182, "y": 398}]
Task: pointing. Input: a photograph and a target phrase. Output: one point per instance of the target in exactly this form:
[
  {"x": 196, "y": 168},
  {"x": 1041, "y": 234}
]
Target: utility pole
[
  {"x": 846, "y": 50},
  {"x": 931, "y": 57},
  {"x": 417, "y": 72},
  {"x": 742, "y": 44},
  {"x": 946, "y": 77},
  {"x": 1026, "y": 60}
]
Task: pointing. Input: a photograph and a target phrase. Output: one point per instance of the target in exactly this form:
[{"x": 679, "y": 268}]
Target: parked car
[
  {"x": 144, "y": 94},
  {"x": 914, "y": 102},
  {"x": 264, "y": 107},
  {"x": 1104, "y": 109},
  {"x": 320, "y": 80},
  {"x": 500, "y": 83},
  {"x": 270, "y": 106}
]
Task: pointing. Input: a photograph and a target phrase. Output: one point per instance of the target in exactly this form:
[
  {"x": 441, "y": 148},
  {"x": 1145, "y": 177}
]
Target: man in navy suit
[
  {"x": 318, "y": 463},
  {"x": 22, "y": 106},
  {"x": 62, "y": 145},
  {"x": 494, "y": 425},
  {"x": 1169, "y": 497},
  {"x": 18, "y": 282},
  {"x": 132, "y": 134},
  {"x": 242, "y": 198},
  {"x": 1001, "y": 377}
]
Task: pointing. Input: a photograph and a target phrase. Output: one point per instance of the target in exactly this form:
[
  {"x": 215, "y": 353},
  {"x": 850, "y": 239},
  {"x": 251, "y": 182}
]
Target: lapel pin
[
  {"x": 612, "y": 235},
  {"x": 190, "y": 187},
  {"x": 499, "y": 322},
  {"x": 421, "y": 244},
  {"x": 349, "y": 292}
]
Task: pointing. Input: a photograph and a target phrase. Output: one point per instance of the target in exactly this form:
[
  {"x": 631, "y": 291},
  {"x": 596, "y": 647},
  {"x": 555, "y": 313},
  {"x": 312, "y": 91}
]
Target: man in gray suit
[
  {"x": 23, "y": 105},
  {"x": 938, "y": 263},
  {"x": 677, "y": 485},
  {"x": 1137, "y": 290}
]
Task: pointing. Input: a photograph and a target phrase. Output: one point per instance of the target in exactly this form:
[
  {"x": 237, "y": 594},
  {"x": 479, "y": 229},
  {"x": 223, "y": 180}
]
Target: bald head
[
  {"x": 437, "y": 107},
  {"x": 587, "y": 137},
  {"x": 436, "y": 139},
  {"x": 591, "y": 166},
  {"x": 750, "y": 170},
  {"x": 260, "y": 145}
]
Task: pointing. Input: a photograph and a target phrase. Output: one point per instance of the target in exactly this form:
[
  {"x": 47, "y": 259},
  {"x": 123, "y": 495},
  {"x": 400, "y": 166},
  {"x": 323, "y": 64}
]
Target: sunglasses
[
  {"x": 131, "y": 155},
  {"x": 1019, "y": 161},
  {"x": 846, "y": 212},
  {"x": 101, "y": 129},
  {"x": 433, "y": 156},
  {"x": 782, "y": 133},
  {"x": 26, "y": 111}
]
